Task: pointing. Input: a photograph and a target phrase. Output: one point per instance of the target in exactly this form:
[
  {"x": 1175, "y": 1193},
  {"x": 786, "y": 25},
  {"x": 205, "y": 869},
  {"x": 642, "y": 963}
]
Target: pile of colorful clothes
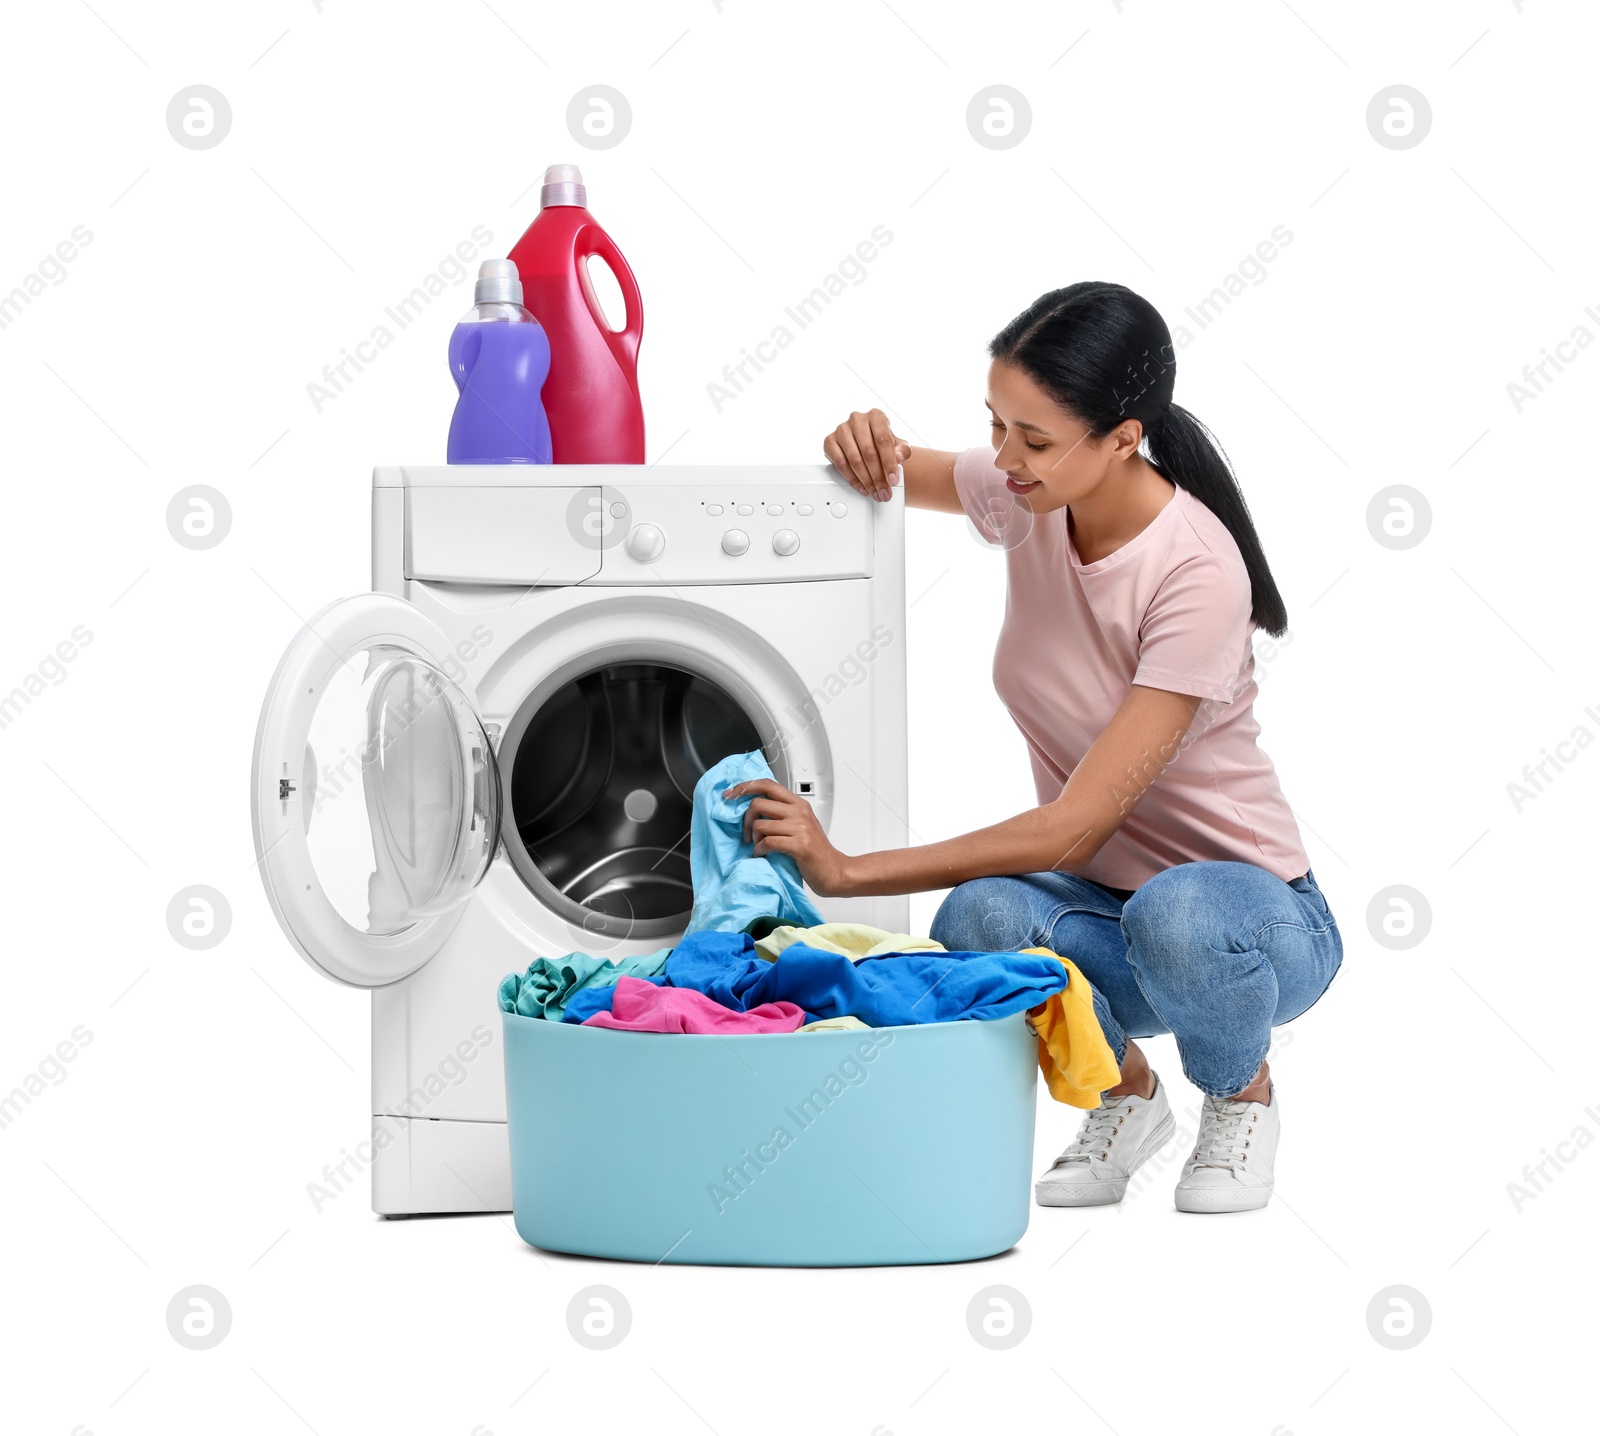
[{"x": 757, "y": 958}]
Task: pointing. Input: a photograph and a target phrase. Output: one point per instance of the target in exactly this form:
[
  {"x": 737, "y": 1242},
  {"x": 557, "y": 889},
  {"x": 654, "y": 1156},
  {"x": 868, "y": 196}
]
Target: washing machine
[{"x": 491, "y": 756}]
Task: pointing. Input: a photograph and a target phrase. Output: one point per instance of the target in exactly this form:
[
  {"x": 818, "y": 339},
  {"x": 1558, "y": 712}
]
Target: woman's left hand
[{"x": 778, "y": 821}]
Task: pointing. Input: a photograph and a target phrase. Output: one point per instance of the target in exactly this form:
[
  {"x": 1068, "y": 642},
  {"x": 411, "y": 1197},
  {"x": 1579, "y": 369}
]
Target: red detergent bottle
[{"x": 592, "y": 394}]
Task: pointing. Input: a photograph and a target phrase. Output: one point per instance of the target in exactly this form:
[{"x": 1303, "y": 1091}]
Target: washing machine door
[{"x": 374, "y": 793}]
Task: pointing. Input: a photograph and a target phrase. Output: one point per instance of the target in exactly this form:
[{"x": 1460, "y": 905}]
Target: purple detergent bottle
[{"x": 499, "y": 358}]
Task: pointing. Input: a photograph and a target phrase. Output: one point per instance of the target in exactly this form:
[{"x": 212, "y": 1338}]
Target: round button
[
  {"x": 804, "y": 510},
  {"x": 713, "y": 509},
  {"x": 746, "y": 509},
  {"x": 619, "y": 510},
  {"x": 736, "y": 542},
  {"x": 785, "y": 542},
  {"x": 645, "y": 542},
  {"x": 838, "y": 510}
]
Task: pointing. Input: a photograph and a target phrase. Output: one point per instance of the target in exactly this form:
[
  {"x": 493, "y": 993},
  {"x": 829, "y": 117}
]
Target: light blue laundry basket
[{"x": 898, "y": 1144}]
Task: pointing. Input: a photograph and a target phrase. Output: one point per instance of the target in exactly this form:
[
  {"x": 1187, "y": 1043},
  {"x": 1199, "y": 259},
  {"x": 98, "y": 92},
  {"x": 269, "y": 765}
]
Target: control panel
[
  {"x": 733, "y": 533},
  {"x": 633, "y": 525}
]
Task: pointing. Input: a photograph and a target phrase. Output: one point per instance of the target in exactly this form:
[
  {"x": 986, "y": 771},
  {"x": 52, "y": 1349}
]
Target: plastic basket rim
[{"x": 859, "y": 1034}]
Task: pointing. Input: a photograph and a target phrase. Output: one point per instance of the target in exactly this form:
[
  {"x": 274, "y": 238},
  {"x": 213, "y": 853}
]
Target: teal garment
[
  {"x": 734, "y": 891},
  {"x": 551, "y": 982}
]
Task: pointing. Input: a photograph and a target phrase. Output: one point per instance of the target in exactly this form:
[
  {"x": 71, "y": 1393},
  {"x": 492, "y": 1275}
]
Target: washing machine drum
[{"x": 601, "y": 781}]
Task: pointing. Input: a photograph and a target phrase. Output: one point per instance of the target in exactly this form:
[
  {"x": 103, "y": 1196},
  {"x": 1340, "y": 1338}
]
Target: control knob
[{"x": 645, "y": 542}]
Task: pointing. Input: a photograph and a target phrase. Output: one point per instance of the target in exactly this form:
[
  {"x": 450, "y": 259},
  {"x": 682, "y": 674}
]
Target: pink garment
[
  {"x": 1170, "y": 610},
  {"x": 641, "y": 1006}
]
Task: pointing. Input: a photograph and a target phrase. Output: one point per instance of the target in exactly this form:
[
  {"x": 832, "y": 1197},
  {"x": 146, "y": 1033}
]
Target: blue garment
[
  {"x": 895, "y": 990},
  {"x": 1217, "y": 953},
  {"x": 583, "y": 1005},
  {"x": 723, "y": 946},
  {"x": 732, "y": 889},
  {"x": 550, "y": 983}
]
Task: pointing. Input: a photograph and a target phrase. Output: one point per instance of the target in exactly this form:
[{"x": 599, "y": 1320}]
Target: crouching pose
[{"x": 1163, "y": 857}]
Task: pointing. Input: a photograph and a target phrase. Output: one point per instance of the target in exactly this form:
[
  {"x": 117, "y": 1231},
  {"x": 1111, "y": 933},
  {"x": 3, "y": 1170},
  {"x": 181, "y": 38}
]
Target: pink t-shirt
[{"x": 1171, "y": 610}]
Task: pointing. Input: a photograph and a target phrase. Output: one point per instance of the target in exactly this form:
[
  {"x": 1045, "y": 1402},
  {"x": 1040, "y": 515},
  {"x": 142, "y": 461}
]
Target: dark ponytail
[{"x": 1106, "y": 355}]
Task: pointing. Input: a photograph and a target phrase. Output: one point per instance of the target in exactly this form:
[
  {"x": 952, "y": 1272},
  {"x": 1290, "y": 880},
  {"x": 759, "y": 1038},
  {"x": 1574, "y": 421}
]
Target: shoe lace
[
  {"x": 1224, "y": 1135},
  {"x": 1094, "y": 1136}
]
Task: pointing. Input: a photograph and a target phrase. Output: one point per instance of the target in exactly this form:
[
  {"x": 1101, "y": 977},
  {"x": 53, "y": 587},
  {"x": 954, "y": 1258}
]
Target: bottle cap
[
  {"x": 563, "y": 184},
  {"x": 498, "y": 283}
]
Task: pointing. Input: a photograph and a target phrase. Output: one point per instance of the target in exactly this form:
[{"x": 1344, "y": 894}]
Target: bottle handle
[{"x": 624, "y": 342}]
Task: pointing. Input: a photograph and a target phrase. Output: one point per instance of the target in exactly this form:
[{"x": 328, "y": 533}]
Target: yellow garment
[
  {"x": 835, "y": 1024},
  {"x": 1077, "y": 1061},
  {"x": 854, "y": 940}
]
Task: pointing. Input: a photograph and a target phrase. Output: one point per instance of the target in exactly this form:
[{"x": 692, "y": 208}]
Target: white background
[{"x": 1167, "y": 140}]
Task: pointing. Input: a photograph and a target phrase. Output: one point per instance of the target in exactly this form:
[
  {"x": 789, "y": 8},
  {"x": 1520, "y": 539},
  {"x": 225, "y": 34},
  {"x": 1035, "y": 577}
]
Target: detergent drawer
[
  {"x": 501, "y": 534},
  {"x": 863, "y": 1148}
]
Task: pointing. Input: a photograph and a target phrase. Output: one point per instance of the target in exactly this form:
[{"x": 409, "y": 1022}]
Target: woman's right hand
[{"x": 866, "y": 452}]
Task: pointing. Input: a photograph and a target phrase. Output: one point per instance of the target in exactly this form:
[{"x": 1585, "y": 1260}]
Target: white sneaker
[
  {"x": 1231, "y": 1169},
  {"x": 1116, "y": 1138}
]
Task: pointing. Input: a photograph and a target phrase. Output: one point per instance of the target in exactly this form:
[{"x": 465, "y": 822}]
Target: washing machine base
[{"x": 433, "y": 1166}]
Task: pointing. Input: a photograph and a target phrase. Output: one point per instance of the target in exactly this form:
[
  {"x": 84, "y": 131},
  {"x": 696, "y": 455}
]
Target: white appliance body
[{"x": 773, "y": 592}]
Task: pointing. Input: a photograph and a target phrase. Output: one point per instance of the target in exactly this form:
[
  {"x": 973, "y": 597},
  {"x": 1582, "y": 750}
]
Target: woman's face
[{"x": 1048, "y": 455}]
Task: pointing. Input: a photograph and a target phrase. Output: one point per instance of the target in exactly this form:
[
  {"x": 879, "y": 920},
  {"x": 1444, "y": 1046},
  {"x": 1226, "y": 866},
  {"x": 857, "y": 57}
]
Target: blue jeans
[{"x": 1215, "y": 953}]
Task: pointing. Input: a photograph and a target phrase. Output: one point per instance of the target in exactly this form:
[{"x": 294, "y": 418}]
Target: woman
[{"x": 1163, "y": 858}]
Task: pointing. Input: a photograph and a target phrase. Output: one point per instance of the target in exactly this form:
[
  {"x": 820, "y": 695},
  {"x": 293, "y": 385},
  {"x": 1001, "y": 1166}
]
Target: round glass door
[
  {"x": 400, "y": 798},
  {"x": 600, "y": 777},
  {"x": 375, "y": 797}
]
